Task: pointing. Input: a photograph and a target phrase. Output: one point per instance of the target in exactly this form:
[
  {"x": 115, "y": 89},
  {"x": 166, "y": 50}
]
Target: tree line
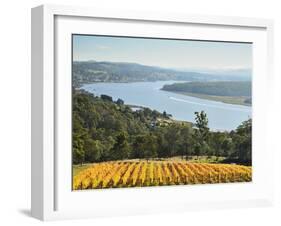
[{"x": 105, "y": 130}]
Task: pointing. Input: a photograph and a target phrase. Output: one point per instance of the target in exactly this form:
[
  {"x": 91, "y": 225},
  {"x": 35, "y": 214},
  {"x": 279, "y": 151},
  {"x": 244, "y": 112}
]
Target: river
[{"x": 221, "y": 116}]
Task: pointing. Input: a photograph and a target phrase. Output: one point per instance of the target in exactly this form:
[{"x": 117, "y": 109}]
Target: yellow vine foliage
[{"x": 151, "y": 173}]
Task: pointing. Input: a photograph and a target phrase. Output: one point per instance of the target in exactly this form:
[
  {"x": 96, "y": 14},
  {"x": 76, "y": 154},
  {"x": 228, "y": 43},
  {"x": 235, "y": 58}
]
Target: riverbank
[
  {"x": 181, "y": 107},
  {"x": 223, "y": 99}
]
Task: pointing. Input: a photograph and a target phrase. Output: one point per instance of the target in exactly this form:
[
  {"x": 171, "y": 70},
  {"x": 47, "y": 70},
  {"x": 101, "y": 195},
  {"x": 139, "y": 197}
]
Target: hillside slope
[{"x": 93, "y": 71}]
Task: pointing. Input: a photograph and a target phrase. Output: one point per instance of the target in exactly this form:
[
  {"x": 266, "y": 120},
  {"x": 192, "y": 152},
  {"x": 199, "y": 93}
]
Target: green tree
[
  {"x": 106, "y": 97},
  {"x": 107, "y": 143},
  {"x": 138, "y": 146},
  {"x": 201, "y": 133},
  {"x": 78, "y": 150},
  {"x": 217, "y": 139},
  {"x": 197, "y": 149},
  {"x": 162, "y": 144},
  {"x": 120, "y": 101},
  {"x": 93, "y": 150},
  {"x": 150, "y": 146},
  {"x": 201, "y": 123},
  {"x": 145, "y": 146},
  {"x": 227, "y": 147},
  {"x": 185, "y": 141},
  {"x": 172, "y": 136},
  {"x": 121, "y": 148},
  {"x": 78, "y": 136},
  {"x": 243, "y": 142}
]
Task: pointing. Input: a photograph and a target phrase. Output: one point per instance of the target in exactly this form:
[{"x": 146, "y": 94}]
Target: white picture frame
[{"x": 51, "y": 197}]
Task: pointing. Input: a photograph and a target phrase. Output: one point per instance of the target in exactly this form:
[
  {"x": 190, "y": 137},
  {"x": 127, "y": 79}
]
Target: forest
[{"x": 105, "y": 129}]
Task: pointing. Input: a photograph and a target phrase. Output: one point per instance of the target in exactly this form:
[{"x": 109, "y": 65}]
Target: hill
[
  {"x": 107, "y": 130},
  {"x": 93, "y": 71},
  {"x": 235, "y": 92}
]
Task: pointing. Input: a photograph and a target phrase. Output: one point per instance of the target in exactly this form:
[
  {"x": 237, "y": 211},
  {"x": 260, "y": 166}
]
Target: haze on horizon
[{"x": 177, "y": 54}]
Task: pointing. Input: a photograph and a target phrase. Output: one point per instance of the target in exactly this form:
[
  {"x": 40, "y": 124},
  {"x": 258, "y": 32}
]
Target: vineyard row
[{"x": 153, "y": 173}]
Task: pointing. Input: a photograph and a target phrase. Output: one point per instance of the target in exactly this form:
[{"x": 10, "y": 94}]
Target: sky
[{"x": 178, "y": 54}]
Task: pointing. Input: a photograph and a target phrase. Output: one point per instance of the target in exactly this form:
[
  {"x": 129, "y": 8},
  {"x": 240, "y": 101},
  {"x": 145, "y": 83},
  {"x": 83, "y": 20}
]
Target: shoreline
[
  {"x": 171, "y": 119},
  {"x": 222, "y": 99}
]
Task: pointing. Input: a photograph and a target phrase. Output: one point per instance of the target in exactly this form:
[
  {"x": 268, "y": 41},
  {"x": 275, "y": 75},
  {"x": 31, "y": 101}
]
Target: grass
[
  {"x": 206, "y": 159},
  {"x": 199, "y": 159},
  {"x": 165, "y": 122},
  {"x": 225, "y": 99},
  {"x": 78, "y": 168}
]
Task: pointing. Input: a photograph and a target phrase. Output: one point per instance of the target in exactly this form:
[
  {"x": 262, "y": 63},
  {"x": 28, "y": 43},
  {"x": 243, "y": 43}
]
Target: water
[{"x": 221, "y": 116}]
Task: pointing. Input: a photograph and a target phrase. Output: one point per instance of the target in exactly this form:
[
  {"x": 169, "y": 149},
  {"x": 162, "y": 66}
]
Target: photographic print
[{"x": 159, "y": 112}]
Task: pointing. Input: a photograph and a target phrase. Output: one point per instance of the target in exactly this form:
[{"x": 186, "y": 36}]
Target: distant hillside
[
  {"x": 242, "y": 74},
  {"x": 93, "y": 71},
  {"x": 225, "y": 88},
  {"x": 232, "y": 92}
]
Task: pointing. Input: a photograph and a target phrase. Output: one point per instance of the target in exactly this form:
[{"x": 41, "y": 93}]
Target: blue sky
[{"x": 163, "y": 53}]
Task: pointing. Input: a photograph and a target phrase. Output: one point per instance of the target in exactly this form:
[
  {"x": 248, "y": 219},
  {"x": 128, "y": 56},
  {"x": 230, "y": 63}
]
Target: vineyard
[{"x": 152, "y": 173}]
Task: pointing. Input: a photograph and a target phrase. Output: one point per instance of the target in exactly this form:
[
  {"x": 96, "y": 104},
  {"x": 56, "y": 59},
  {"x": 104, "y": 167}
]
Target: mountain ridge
[{"x": 107, "y": 71}]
